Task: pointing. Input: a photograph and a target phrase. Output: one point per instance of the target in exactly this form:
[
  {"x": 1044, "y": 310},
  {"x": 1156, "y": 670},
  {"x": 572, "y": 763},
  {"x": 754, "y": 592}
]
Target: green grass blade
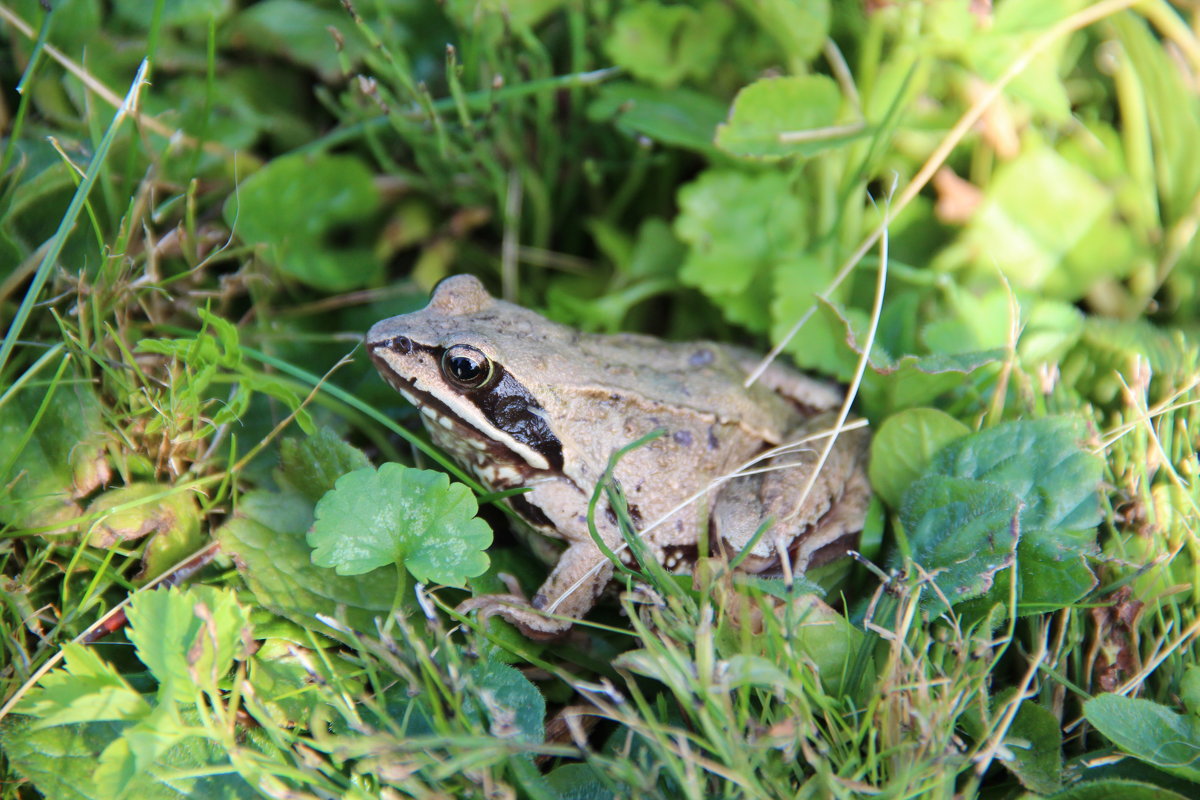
[{"x": 72, "y": 214}]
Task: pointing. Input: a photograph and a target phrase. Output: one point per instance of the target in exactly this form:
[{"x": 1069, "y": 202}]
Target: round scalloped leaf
[
  {"x": 399, "y": 514},
  {"x": 785, "y": 116},
  {"x": 904, "y": 446}
]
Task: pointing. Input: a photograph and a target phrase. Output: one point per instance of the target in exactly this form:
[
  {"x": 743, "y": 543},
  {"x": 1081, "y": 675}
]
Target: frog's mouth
[{"x": 511, "y": 411}]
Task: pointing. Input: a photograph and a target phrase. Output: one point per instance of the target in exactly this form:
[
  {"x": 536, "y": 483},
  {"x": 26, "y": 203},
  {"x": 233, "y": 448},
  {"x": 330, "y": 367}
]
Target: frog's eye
[{"x": 466, "y": 366}]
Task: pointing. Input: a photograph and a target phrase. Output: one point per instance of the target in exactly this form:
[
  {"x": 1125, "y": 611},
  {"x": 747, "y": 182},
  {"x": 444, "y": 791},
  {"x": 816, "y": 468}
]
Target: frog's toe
[{"x": 514, "y": 608}]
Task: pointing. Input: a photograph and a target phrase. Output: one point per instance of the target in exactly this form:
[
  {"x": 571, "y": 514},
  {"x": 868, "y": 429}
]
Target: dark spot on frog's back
[
  {"x": 701, "y": 358},
  {"x": 713, "y": 444},
  {"x": 683, "y": 438}
]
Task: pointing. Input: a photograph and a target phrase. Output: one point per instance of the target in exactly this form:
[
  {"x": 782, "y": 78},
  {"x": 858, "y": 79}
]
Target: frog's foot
[{"x": 569, "y": 592}]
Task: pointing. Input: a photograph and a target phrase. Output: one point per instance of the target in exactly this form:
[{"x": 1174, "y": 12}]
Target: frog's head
[{"x": 448, "y": 359}]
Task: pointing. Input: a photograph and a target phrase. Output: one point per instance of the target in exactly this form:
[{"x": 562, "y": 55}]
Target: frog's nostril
[{"x": 402, "y": 344}]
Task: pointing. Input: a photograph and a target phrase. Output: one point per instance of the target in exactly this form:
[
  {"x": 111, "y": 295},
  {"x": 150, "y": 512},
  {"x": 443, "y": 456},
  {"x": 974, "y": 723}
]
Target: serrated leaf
[
  {"x": 267, "y": 540},
  {"x": 187, "y": 637},
  {"x": 903, "y": 447},
  {"x": 770, "y": 116},
  {"x": 1148, "y": 731},
  {"x": 401, "y": 515},
  {"x": 293, "y": 207},
  {"x": 86, "y": 689},
  {"x": 1041, "y": 462},
  {"x": 312, "y": 465},
  {"x": 58, "y": 761},
  {"x": 61, "y": 762}
]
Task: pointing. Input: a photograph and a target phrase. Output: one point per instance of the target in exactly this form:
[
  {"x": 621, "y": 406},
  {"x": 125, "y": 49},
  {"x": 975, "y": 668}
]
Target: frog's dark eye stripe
[{"x": 511, "y": 408}]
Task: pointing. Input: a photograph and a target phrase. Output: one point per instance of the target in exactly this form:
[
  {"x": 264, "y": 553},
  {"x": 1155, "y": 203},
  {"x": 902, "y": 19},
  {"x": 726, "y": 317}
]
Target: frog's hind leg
[{"x": 812, "y": 528}]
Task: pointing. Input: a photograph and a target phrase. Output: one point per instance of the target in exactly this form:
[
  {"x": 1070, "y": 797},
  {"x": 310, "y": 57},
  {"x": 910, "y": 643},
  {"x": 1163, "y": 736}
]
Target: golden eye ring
[{"x": 466, "y": 366}]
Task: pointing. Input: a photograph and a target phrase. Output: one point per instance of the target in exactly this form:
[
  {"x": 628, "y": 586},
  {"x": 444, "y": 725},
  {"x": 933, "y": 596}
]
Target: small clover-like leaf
[{"x": 399, "y": 514}]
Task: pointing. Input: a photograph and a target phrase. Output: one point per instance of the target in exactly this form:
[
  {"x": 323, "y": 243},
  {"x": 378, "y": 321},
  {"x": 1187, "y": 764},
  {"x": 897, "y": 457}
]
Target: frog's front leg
[
  {"x": 812, "y": 528},
  {"x": 568, "y": 593},
  {"x": 579, "y": 576}
]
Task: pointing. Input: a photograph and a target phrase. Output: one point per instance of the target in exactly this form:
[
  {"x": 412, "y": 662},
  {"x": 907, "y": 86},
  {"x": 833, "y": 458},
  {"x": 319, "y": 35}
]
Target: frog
[{"x": 536, "y": 409}]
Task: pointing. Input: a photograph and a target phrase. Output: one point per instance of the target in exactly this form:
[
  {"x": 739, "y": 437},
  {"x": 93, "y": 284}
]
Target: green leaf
[
  {"x": 58, "y": 761},
  {"x": 62, "y": 763},
  {"x": 266, "y": 537},
  {"x": 45, "y": 467},
  {"x": 738, "y": 226},
  {"x": 187, "y": 637},
  {"x": 1040, "y": 466},
  {"x": 833, "y": 341},
  {"x": 1035, "y": 742},
  {"x": 1189, "y": 690},
  {"x": 214, "y": 355},
  {"x": 678, "y": 117},
  {"x": 962, "y": 532},
  {"x": 295, "y": 206},
  {"x": 830, "y": 641},
  {"x": 578, "y": 782},
  {"x": 513, "y": 707},
  {"x": 1041, "y": 462},
  {"x": 1148, "y": 731},
  {"x": 664, "y": 45},
  {"x": 903, "y": 447},
  {"x": 313, "y": 464},
  {"x": 175, "y": 13},
  {"x": 824, "y": 343},
  {"x": 1036, "y": 209},
  {"x": 300, "y": 32},
  {"x": 173, "y": 519},
  {"x": 768, "y": 114},
  {"x": 1110, "y": 788},
  {"x": 398, "y": 514},
  {"x": 799, "y": 26},
  {"x": 86, "y": 689},
  {"x": 281, "y": 674}
]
